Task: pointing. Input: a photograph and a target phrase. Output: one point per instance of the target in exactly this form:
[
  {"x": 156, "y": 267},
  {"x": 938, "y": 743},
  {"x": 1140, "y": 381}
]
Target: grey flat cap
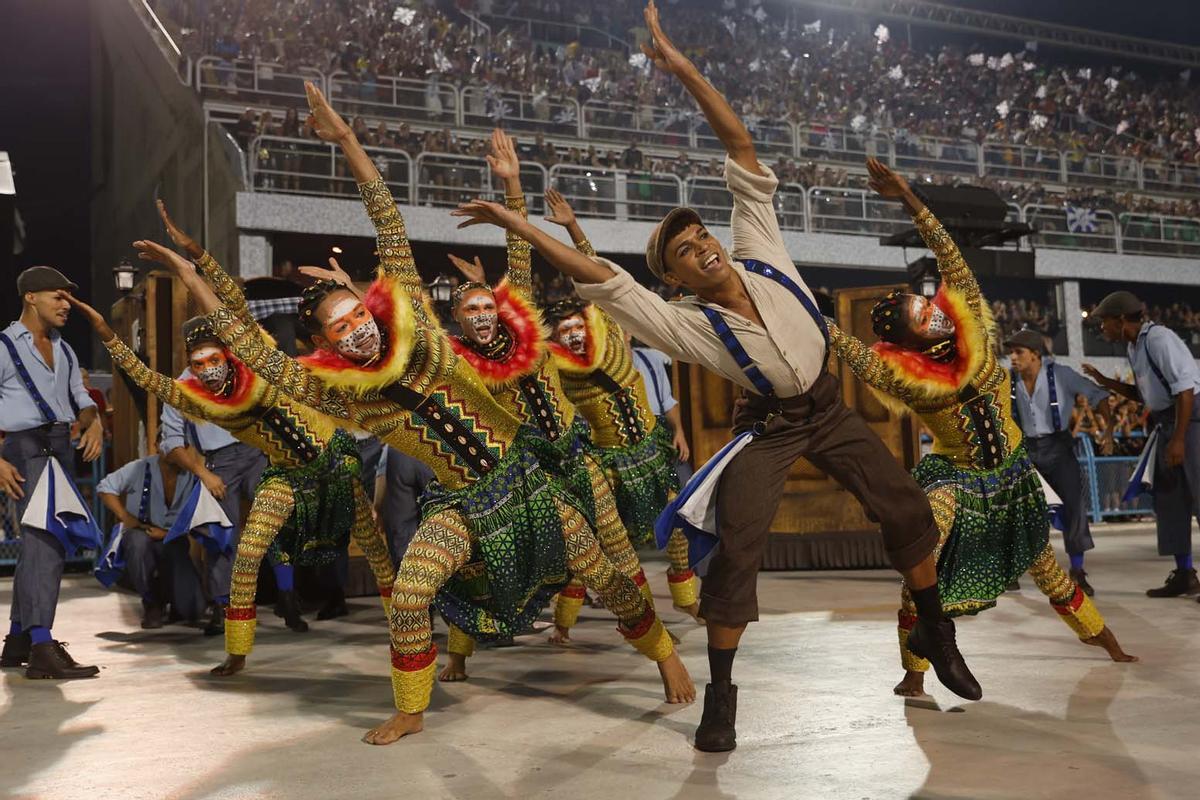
[
  {"x": 1030, "y": 340},
  {"x": 1118, "y": 304},
  {"x": 655, "y": 257},
  {"x": 44, "y": 279}
]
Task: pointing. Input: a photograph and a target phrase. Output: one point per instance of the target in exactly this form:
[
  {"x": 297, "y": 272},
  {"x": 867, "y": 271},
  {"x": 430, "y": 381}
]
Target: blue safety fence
[
  {"x": 10, "y": 525},
  {"x": 1104, "y": 481}
]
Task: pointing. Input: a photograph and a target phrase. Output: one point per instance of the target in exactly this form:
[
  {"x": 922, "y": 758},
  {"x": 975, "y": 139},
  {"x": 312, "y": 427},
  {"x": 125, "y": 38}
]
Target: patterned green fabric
[
  {"x": 519, "y": 560},
  {"x": 644, "y": 478},
  {"x": 1001, "y": 524},
  {"x": 319, "y": 527}
]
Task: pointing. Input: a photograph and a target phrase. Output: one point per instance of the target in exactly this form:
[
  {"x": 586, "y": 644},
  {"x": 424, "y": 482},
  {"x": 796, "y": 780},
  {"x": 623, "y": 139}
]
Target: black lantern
[
  {"x": 440, "y": 289},
  {"x": 124, "y": 275}
]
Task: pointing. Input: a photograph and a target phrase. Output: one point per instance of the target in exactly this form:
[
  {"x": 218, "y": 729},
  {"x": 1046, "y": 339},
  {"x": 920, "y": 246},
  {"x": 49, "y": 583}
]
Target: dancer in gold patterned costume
[
  {"x": 591, "y": 351},
  {"x": 938, "y": 359},
  {"x": 310, "y": 492},
  {"x": 498, "y": 533}
]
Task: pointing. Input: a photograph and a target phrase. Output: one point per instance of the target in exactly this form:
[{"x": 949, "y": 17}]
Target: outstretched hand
[
  {"x": 485, "y": 212},
  {"x": 153, "y": 251},
  {"x": 503, "y": 158},
  {"x": 184, "y": 242},
  {"x": 99, "y": 324},
  {"x": 884, "y": 182},
  {"x": 472, "y": 272},
  {"x": 561, "y": 212},
  {"x": 335, "y": 273},
  {"x": 322, "y": 120},
  {"x": 1095, "y": 374},
  {"x": 660, "y": 50}
]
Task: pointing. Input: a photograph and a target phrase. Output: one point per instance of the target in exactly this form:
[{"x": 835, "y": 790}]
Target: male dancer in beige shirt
[{"x": 753, "y": 321}]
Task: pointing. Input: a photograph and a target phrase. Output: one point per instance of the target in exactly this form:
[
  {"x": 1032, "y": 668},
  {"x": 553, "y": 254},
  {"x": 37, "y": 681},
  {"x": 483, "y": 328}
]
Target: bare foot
[
  {"x": 455, "y": 670},
  {"x": 397, "y": 727},
  {"x": 560, "y": 636},
  {"x": 231, "y": 665},
  {"x": 692, "y": 611},
  {"x": 677, "y": 684},
  {"x": 913, "y": 685},
  {"x": 1108, "y": 640}
]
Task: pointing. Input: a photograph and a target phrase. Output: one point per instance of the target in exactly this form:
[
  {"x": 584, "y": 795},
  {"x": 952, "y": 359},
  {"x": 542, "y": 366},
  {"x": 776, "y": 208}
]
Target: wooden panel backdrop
[{"x": 819, "y": 524}]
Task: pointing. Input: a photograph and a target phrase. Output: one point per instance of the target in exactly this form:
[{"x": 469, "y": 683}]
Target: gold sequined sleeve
[
  {"x": 161, "y": 386},
  {"x": 520, "y": 274},
  {"x": 276, "y": 367},
  {"x": 224, "y": 286},
  {"x": 394, "y": 250},
  {"x": 955, "y": 272},
  {"x": 865, "y": 363},
  {"x": 585, "y": 246}
]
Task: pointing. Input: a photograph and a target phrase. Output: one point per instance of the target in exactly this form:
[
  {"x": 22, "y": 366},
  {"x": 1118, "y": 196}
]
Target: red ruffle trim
[
  {"x": 241, "y": 613},
  {"x": 642, "y": 628},
  {"x": 680, "y": 577},
  {"x": 414, "y": 662},
  {"x": 243, "y": 380},
  {"x": 906, "y": 620},
  {"x": 1071, "y": 606},
  {"x": 574, "y": 592}
]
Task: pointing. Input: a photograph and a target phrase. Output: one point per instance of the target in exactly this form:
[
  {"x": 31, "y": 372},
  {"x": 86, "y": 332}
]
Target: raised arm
[
  {"x": 507, "y": 167},
  {"x": 391, "y": 238},
  {"x": 717, "y": 111},
  {"x": 866, "y": 363},
  {"x": 562, "y": 257},
  {"x": 161, "y": 386},
  {"x": 225, "y": 287},
  {"x": 561, "y": 213}
]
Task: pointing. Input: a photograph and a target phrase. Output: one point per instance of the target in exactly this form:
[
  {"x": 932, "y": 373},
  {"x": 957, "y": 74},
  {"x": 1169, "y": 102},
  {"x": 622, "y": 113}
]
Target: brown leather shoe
[
  {"x": 1180, "y": 581},
  {"x": 51, "y": 660}
]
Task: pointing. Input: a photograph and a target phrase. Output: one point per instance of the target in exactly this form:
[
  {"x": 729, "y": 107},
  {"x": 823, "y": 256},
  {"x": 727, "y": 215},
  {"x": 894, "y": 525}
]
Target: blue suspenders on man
[
  {"x": 27, "y": 379},
  {"x": 730, "y": 340},
  {"x": 144, "y": 505},
  {"x": 1055, "y": 412},
  {"x": 658, "y": 393}
]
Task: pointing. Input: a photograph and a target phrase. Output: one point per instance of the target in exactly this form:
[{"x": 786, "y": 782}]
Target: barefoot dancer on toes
[
  {"x": 761, "y": 303},
  {"x": 635, "y": 447},
  {"x": 938, "y": 359},
  {"x": 498, "y": 533}
]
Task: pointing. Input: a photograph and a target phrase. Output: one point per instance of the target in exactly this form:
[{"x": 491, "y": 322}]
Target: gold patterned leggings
[
  {"x": 1073, "y": 606},
  {"x": 442, "y": 546},
  {"x": 273, "y": 503},
  {"x": 614, "y": 542}
]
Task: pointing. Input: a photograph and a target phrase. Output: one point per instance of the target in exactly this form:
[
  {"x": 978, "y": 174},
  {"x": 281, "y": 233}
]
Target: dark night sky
[
  {"x": 45, "y": 127},
  {"x": 1168, "y": 20}
]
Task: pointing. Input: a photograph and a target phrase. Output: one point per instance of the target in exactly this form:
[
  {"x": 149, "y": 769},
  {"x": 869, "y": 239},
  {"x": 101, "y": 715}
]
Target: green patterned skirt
[
  {"x": 1001, "y": 524},
  {"x": 318, "y": 529},
  {"x": 643, "y": 478},
  {"x": 519, "y": 559}
]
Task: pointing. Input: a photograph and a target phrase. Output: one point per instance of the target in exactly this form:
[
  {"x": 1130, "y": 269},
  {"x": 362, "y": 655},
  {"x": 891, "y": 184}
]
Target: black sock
[
  {"x": 720, "y": 665},
  {"x": 928, "y": 602}
]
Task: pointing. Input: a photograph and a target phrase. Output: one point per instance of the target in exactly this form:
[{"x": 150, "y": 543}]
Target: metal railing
[
  {"x": 516, "y": 111},
  {"x": 616, "y": 194},
  {"x": 1104, "y": 481},
  {"x": 712, "y": 200},
  {"x": 925, "y": 154},
  {"x": 1016, "y": 162},
  {"x": 621, "y": 122},
  {"x": 1101, "y": 170},
  {"x": 1054, "y": 229},
  {"x": 254, "y": 81},
  {"x": 1154, "y": 234},
  {"x": 445, "y": 180},
  {"x": 387, "y": 98},
  {"x": 854, "y": 211},
  {"x": 561, "y": 32},
  {"x": 312, "y": 167},
  {"x": 841, "y": 145}
]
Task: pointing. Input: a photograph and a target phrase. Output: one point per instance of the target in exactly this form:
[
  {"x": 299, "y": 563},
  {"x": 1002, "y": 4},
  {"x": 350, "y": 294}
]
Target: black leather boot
[
  {"x": 1180, "y": 581},
  {"x": 335, "y": 605},
  {"x": 152, "y": 616},
  {"x": 289, "y": 604},
  {"x": 716, "y": 733},
  {"x": 1080, "y": 578},
  {"x": 51, "y": 660},
  {"x": 16, "y": 650},
  {"x": 216, "y": 623},
  {"x": 935, "y": 642}
]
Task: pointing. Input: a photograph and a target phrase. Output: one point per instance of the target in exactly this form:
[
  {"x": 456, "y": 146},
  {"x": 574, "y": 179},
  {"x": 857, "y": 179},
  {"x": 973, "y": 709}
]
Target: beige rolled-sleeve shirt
[{"x": 790, "y": 351}]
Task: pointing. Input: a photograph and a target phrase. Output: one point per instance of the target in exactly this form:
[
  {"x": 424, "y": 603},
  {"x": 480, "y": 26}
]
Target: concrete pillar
[
  {"x": 1072, "y": 318},
  {"x": 254, "y": 256}
]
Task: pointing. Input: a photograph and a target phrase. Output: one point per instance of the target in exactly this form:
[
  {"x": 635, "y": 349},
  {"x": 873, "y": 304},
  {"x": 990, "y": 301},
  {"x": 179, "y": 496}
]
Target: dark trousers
[
  {"x": 1176, "y": 489},
  {"x": 158, "y": 571},
  {"x": 1054, "y": 457},
  {"x": 240, "y": 466},
  {"x": 819, "y": 427},
  {"x": 40, "y": 564}
]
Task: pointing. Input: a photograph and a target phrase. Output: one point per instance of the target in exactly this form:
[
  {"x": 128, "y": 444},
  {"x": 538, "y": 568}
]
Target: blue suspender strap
[
  {"x": 1154, "y": 367},
  {"x": 1055, "y": 414},
  {"x": 727, "y": 337},
  {"x": 27, "y": 379},
  {"x": 144, "y": 505},
  {"x": 658, "y": 395},
  {"x": 70, "y": 369},
  {"x": 767, "y": 271},
  {"x": 189, "y": 432},
  {"x": 1012, "y": 395}
]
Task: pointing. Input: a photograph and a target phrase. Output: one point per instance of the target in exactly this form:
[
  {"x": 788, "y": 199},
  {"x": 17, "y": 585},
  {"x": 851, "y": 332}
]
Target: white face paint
[
  {"x": 362, "y": 343},
  {"x": 572, "y": 334},
  {"x": 477, "y": 316},
  {"x": 210, "y": 366},
  {"x": 343, "y": 307},
  {"x": 352, "y": 331}
]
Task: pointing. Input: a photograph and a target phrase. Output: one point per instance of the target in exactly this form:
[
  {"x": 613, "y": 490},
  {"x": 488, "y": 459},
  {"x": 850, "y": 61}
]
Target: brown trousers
[{"x": 818, "y": 426}]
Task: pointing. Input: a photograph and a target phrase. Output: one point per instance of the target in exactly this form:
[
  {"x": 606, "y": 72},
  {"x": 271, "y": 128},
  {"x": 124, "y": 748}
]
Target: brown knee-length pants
[{"x": 818, "y": 426}]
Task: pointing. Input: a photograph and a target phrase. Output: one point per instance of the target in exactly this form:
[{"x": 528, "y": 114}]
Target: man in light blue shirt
[
  {"x": 654, "y": 366},
  {"x": 1043, "y": 393},
  {"x": 228, "y": 468},
  {"x": 1166, "y": 379},
  {"x": 146, "y": 496},
  {"x": 41, "y": 394}
]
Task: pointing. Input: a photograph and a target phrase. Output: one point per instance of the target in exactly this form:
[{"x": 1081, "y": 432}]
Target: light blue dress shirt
[
  {"x": 1035, "y": 414},
  {"x": 128, "y": 481},
  {"x": 58, "y": 384},
  {"x": 1173, "y": 359},
  {"x": 652, "y": 364},
  {"x": 172, "y": 432}
]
